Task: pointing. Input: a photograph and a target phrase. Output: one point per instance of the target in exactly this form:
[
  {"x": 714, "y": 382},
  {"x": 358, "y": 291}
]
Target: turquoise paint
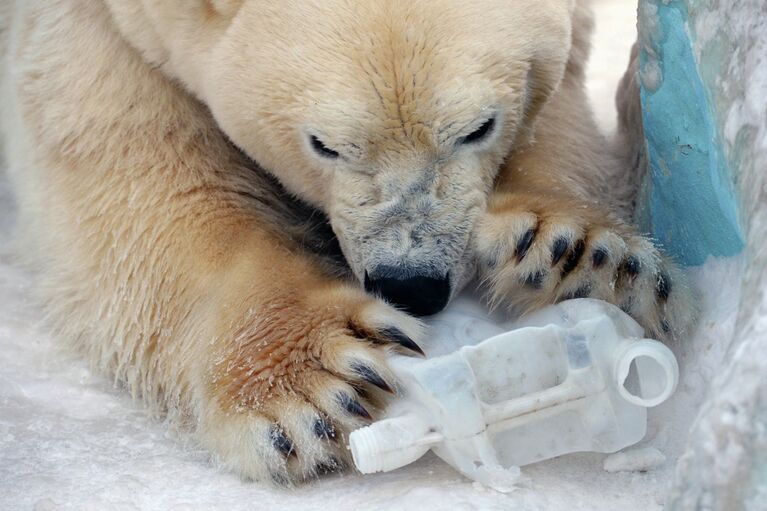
[{"x": 690, "y": 203}]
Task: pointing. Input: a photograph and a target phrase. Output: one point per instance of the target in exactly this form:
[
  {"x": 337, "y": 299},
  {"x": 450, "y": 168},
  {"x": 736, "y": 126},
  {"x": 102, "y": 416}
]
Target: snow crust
[
  {"x": 634, "y": 460},
  {"x": 71, "y": 439}
]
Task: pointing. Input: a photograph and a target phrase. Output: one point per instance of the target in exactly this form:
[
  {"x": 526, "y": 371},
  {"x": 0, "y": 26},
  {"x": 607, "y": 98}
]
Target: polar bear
[{"x": 238, "y": 207}]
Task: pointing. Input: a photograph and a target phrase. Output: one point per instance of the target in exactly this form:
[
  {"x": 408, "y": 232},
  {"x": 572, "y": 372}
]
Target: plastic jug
[{"x": 572, "y": 377}]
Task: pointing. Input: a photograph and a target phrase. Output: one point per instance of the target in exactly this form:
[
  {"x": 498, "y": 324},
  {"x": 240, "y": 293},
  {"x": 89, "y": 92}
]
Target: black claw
[
  {"x": 396, "y": 335},
  {"x": 324, "y": 429},
  {"x": 535, "y": 280},
  {"x": 627, "y": 305},
  {"x": 665, "y": 326},
  {"x": 581, "y": 292},
  {"x": 280, "y": 479},
  {"x": 663, "y": 287},
  {"x": 574, "y": 257},
  {"x": 328, "y": 466},
  {"x": 281, "y": 442},
  {"x": 523, "y": 245},
  {"x": 558, "y": 249},
  {"x": 492, "y": 259},
  {"x": 353, "y": 406},
  {"x": 631, "y": 266},
  {"x": 369, "y": 375},
  {"x": 599, "y": 257}
]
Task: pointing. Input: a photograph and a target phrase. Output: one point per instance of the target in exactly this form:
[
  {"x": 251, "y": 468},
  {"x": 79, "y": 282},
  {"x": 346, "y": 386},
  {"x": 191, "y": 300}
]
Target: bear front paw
[
  {"x": 299, "y": 376},
  {"x": 532, "y": 257}
]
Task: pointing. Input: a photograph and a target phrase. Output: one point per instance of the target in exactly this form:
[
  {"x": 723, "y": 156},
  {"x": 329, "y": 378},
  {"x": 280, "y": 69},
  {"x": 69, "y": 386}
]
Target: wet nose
[{"x": 418, "y": 294}]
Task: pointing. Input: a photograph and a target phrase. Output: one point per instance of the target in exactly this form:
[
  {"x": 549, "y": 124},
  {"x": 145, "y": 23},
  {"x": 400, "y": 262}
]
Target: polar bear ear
[
  {"x": 553, "y": 31},
  {"x": 226, "y": 8}
]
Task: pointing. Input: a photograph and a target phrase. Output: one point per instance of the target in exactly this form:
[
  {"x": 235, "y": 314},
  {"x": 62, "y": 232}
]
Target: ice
[{"x": 70, "y": 440}]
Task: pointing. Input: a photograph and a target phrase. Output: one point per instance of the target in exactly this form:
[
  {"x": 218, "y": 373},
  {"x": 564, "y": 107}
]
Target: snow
[
  {"x": 70, "y": 439},
  {"x": 634, "y": 460},
  {"x": 614, "y": 33}
]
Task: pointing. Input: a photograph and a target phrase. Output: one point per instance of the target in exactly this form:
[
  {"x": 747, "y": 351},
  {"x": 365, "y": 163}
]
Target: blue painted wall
[{"x": 690, "y": 205}]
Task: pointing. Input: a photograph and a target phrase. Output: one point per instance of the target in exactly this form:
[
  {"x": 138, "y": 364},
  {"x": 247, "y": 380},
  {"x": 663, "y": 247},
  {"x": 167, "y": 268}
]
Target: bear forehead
[
  {"x": 399, "y": 53},
  {"x": 377, "y": 73}
]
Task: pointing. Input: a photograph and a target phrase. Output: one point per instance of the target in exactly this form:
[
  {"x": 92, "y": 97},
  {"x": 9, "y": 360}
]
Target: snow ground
[{"x": 70, "y": 439}]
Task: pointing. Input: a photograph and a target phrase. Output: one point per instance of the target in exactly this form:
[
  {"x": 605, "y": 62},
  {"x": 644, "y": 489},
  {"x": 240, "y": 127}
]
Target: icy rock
[
  {"x": 688, "y": 198},
  {"x": 723, "y": 467}
]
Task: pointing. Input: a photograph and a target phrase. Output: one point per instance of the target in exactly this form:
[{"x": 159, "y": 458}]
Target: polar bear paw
[
  {"x": 532, "y": 257},
  {"x": 299, "y": 377}
]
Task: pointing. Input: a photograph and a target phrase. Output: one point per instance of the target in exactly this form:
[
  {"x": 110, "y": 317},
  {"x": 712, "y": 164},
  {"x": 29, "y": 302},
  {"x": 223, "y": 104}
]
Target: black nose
[{"x": 421, "y": 295}]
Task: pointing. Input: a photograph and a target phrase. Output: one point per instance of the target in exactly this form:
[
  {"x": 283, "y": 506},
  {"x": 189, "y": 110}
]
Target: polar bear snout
[
  {"x": 416, "y": 254},
  {"x": 415, "y": 292}
]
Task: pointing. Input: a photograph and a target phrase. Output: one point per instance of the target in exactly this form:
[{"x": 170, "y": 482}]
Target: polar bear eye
[
  {"x": 480, "y": 133},
  {"x": 321, "y": 149}
]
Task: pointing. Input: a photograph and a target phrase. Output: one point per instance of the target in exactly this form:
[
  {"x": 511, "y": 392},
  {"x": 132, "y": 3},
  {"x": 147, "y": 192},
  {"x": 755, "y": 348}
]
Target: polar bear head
[{"x": 391, "y": 116}]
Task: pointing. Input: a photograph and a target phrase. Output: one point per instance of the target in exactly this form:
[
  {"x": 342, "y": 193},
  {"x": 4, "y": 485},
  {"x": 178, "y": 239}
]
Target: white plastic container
[{"x": 576, "y": 376}]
